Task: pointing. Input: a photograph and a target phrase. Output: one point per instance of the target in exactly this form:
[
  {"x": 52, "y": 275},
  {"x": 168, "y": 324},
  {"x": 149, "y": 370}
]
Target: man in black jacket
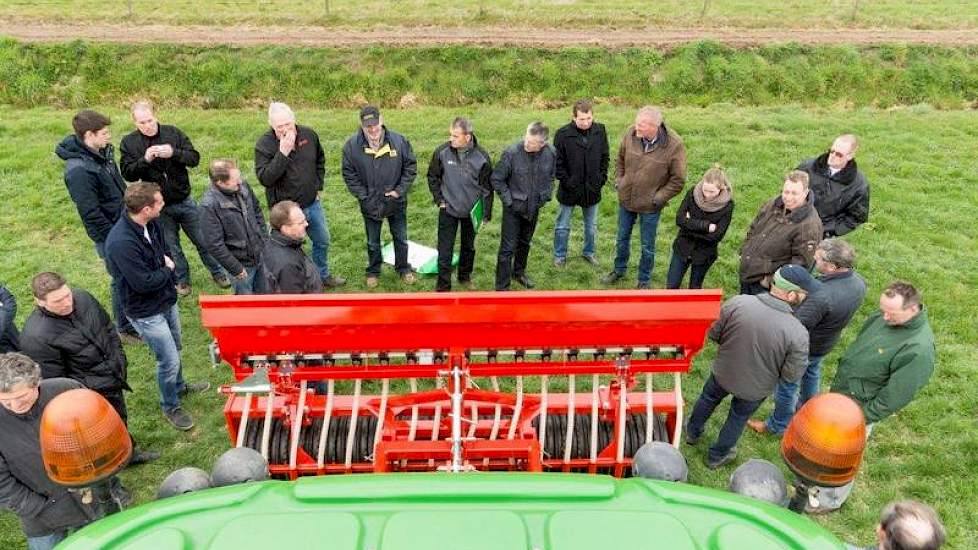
[
  {"x": 47, "y": 511},
  {"x": 96, "y": 187},
  {"x": 582, "y": 170},
  {"x": 161, "y": 154},
  {"x": 136, "y": 253},
  {"x": 841, "y": 190},
  {"x": 9, "y": 337},
  {"x": 524, "y": 180},
  {"x": 379, "y": 168},
  {"x": 285, "y": 268},
  {"x": 70, "y": 335},
  {"x": 825, "y": 314},
  {"x": 291, "y": 165},
  {"x": 458, "y": 178},
  {"x": 232, "y": 225}
]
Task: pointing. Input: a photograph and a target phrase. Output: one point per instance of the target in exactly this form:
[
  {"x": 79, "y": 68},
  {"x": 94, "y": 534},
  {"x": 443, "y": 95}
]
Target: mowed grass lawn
[
  {"x": 923, "y": 14},
  {"x": 919, "y": 161}
]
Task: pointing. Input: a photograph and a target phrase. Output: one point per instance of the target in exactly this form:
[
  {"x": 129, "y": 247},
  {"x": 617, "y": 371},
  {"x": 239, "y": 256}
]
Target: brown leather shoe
[{"x": 758, "y": 426}]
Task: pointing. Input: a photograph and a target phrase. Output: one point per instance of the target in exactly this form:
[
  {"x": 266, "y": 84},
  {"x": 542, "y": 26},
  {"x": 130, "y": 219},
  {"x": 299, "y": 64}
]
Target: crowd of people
[{"x": 798, "y": 285}]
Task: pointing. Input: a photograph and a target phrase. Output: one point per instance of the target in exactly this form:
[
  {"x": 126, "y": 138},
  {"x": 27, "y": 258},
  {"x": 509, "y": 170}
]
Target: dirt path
[{"x": 498, "y": 36}]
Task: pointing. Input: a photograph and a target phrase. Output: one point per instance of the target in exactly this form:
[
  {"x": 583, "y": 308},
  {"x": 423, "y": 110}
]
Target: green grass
[
  {"x": 77, "y": 74},
  {"x": 924, "y": 14},
  {"x": 920, "y": 163}
]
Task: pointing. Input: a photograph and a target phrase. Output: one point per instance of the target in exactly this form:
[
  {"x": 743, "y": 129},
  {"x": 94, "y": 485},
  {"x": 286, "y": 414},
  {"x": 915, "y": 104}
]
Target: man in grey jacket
[
  {"x": 524, "y": 179},
  {"x": 760, "y": 343}
]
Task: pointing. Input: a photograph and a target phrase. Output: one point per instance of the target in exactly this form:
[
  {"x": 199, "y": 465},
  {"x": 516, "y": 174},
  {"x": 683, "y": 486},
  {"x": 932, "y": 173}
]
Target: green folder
[{"x": 477, "y": 214}]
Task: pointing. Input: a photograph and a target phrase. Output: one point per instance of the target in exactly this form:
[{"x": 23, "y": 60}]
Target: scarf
[{"x": 714, "y": 204}]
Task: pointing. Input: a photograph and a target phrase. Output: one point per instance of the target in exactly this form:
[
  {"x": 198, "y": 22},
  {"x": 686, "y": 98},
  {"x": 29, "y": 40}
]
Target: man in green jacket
[{"x": 890, "y": 360}]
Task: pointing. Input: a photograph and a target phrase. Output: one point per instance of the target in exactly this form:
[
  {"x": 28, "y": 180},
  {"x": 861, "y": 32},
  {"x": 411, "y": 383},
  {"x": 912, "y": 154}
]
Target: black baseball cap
[{"x": 369, "y": 116}]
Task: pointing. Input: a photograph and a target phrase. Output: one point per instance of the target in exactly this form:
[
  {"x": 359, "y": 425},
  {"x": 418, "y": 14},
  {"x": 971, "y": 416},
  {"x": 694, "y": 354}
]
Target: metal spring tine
[
  {"x": 297, "y": 424},
  {"x": 595, "y": 381},
  {"x": 544, "y": 383},
  {"x": 620, "y": 451},
  {"x": 435, "y": 428},
  {"x": 518, "y": 409},
  {"x": 327, "y": 416},
  {"x": 571, "y": 414},
  {"x": 678, "y": 388},
  {"x": 475, "y": 420},
  {"x": 352, "y": 432},
  {"x": 243, "y": 425},
  {"x": 649, "y": 409},
  {"x": 496, "y": 419},
  {"x": 413, "y": 429},
  {"x": 266, "y": 433},
  {"x": 384, "y": 390}
]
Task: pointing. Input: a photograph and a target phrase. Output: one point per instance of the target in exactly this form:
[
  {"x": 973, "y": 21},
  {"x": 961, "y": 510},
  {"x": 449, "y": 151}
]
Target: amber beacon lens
[
  {"x": 825, "y": 440},
  {"x": 83, "y": 440}
]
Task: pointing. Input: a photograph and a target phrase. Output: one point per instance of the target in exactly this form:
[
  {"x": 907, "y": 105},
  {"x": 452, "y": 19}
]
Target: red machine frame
[{"x": 455, "y": 338}]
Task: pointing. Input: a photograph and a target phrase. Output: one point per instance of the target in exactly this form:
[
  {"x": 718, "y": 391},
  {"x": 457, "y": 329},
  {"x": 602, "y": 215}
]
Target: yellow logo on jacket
[{"x": 377, "y": 153}]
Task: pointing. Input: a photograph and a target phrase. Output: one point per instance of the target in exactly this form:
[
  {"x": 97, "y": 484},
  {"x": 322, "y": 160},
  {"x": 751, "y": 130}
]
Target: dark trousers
[
  {"x": 397, "y": 223},
  {"x": 186, "y": 215},
  {"x": 752, "y": 288},
  {"x": 740, "y": 411},
  {"x": 514, "y": 246},
  {"x": 9, "y": 336},
  {"x": 448, "y": 226},
  {"x": 677, "y": 270}
]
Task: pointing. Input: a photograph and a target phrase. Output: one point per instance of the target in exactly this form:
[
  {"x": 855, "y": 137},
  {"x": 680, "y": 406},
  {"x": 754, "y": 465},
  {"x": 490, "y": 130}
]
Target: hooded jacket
[
  {"x": 842, "y": 200},
  {"x": 83, "y": 345},
  {"x": 777, "y": 237},
  {"x": 94, "y": 183},
  {"x": 582, "y": 164},
  {"x": 370, "y": 174},
  {"x": 461, "y": 180},
  {"x": 232, "y": 227},
  {"x": 297, "y": 177},
  {"x": 646, "y": 180},
  {"x": 170, "y": 174}
]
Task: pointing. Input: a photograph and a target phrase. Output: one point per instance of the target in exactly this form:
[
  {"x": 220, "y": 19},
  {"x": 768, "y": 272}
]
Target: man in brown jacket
[
  {"x": 786, "y": 231},
  {"x": 651, "y": 170}
]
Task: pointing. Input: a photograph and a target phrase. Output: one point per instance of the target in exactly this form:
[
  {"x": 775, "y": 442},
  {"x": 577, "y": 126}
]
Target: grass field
[
  {"x": 925, "y": 14},
  {"x": 920, "y": 163}
]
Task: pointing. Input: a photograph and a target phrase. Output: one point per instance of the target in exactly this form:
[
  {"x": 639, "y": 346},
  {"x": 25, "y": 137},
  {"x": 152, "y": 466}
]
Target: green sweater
[{"x": 886, "y": 365}]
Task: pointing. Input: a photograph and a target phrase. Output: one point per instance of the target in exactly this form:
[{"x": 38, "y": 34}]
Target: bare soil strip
[{"x": 663, "y": 38}]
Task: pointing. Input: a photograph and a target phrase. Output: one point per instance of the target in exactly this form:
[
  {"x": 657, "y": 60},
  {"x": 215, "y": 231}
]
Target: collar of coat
[
  {"x": 800, "y": 213},
  {"x": 285, "y": 240},
  {"x": 844, "y": 176},
  {"x": 774, "y": 303},
  {"x": 661, "y": 138}
]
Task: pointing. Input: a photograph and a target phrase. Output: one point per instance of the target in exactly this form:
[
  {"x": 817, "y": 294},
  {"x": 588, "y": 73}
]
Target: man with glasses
[
  {"x": 285, "y": 268},
  {"x": 841, "y": 190}
]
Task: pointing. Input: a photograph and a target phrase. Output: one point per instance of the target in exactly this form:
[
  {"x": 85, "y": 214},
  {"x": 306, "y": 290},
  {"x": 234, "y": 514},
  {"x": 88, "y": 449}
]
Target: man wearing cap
[
  {"x": 291, "y": 165},
  {"x": 891, "y": 359},
  {"x": 379, "y": 167},
  {"x": 824, "y": 313},
  {"x": 760, "y": 342},
  {"x": 785, "y": 231}
]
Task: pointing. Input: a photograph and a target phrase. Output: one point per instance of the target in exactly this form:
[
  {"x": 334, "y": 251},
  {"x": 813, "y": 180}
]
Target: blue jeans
[
  {"x": 318, "y": 233},
  {"x": 562, "y": 229},
  {"x": 397, "y": 223},
  {"x": 161, "y": 332},
  {"x": 46, "y": 542},
  {"x": 186, "y": 215},
  {"x": 648, "y": 225},
  {"x": 786, "y": 399},
  {"x": 250, "y": 284},
  {"x": 677, "y": 270},
  {"x": 740, "y": 410},
  {"x": 9, "y": 337},
  {"x": 122, "y": 323}
]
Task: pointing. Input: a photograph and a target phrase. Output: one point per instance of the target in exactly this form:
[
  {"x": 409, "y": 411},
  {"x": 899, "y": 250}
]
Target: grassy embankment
[
  {"x": 919, "y": 160},
  {"x": 931, "y": 14}
]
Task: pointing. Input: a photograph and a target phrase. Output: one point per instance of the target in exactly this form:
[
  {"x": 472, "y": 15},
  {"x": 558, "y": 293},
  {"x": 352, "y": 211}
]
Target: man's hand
[
  {"x": 164, "y": 151},
  {"x": 287, "y": 144},
  {"x": 241, "y": 276},
  {"x": 713, "y": 227},
  {"x": 150, "y": 154},
  {"x": 169, "y": 263},
  {"x": 392, "y": 194}
]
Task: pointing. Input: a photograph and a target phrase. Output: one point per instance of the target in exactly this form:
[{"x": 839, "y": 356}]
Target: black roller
[{"x": 285, "y": 442}]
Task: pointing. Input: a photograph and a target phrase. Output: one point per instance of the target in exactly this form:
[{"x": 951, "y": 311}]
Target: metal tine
[
  {"x": 496, "y": 419},
  {"x": 517, "y": 409},
  {"x": 544, "y": 383},
  {"x": 384, "y": 390},
  {"x": 297, "y": 424},
  {"x": 413, "y": 429},
  {"x": 620, "y": 451},
  {"x": 266, "y": 428},
  {"x": 595, "y": 382},
  {"x": 327, "y": 416},
  {"x": 678, "y": 389},
  {"x": 571, "y": 415},
  {"x": 436, "y": 423},
  {"x": 649, "y": 409},
  {"x": 351, "y": 433},
  {"x": 243, "y": 425}
]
